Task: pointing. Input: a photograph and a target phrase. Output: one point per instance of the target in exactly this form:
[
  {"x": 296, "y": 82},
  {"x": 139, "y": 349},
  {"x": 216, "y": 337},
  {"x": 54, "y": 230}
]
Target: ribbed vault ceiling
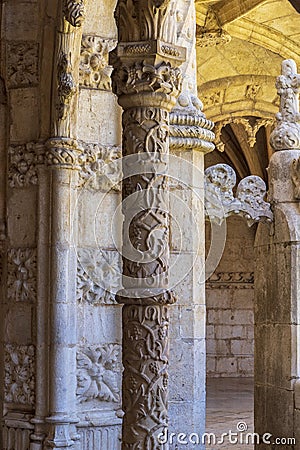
[{"x": 240, "y": 47}]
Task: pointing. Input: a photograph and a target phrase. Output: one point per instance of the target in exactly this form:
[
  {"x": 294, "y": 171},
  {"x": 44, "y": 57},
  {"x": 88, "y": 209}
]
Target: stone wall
[{"x": 229, "y": 301}]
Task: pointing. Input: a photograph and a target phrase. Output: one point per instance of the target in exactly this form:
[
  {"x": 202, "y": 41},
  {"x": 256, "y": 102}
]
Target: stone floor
[{"x": 229, "y": 407}]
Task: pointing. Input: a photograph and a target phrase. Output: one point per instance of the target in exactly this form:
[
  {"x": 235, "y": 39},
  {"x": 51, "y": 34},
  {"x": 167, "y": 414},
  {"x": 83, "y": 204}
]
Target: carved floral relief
[
  {"x": 249, "y": 201},
  {"x": 19, "y": 374},
  {"x": 22, "y": 165},
  {"x": 99, "y": 373},
  {"x": 94, "y": 70},
  {"x": 21, "y": 277}
]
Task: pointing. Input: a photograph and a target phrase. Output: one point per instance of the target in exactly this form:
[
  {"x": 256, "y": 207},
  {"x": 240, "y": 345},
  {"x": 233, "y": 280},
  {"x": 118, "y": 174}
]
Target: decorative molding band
[
  {"x": 251, "y": 129},
  {"x": 286, "y": 135},
  {"x": 22, "y": 64},
  {"x": 98, "y": 276},
  {"x": 22, "y": 273},
  {"x": 19, "y": 374},
  {"x": 220, "y": 202},
  {"x": 231, "y": 280},
  {"x": 99, "y": 374},
  {"x": 296, "y": 177},
  {"x": 191, "y": 131},
  {"x": 98, "y": 164},
  {"x": 94, "y": 70}
]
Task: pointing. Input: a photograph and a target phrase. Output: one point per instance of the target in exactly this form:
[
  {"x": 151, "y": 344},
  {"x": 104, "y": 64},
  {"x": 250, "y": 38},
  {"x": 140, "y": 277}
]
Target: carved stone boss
[{"x": 147, "y": 81}]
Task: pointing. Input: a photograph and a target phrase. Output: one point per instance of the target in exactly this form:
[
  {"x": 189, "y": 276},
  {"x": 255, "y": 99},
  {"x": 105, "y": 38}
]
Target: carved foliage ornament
[
  {"x": 98, "y": 276},
  {"x": 286, "y": 135},
  {"x": 21, "y": 278},
  {"x": 142, "y": 20},
  {"x": 140, "y": 77},
  {"x": 19, "y": 374},
  {"x": 145, "y": 379},
  {"x": 94, "y": 71},
  {"x": 101, "y": 167},
  {"x": 74, "y": 12},
  {"x": 98, "y": 373},
  {"x": 221, "y": 203},
  {"x": 145, "y": 251}
]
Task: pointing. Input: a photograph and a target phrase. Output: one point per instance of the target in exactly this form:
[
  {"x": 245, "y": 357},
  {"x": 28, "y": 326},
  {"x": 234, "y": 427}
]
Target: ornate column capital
[
  {"x": 286, "y": 135},
  {"x": 147, "y": 57}
]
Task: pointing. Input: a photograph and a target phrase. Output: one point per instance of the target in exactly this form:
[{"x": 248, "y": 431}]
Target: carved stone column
[
  {"x": 277, "y": 368},
  {"x": 147, "y": 81},
  {"x": 62, "y": 158}
]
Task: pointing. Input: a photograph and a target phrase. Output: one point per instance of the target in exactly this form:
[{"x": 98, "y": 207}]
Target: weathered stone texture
[{"x": 230, "y": 306}]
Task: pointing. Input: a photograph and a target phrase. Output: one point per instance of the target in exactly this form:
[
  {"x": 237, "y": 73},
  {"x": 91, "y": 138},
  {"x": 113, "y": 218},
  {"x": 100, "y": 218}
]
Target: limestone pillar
[
  {"x": 62, "y": 159},
  {"x": 147, "y": 81},
  {"x": 277, "y": 279}
]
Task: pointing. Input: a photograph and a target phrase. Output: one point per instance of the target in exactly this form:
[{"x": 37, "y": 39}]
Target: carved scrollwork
[
  {"x": 296, "y": 177},
  {"x": 98, "y": 373},
  {"x": 286, "y": 135},
  {"x": 145, "y": 379},
  {"x": 249, "y": 201},
  {"x": 94, "y": 71},
  {"x": 251, "y": 192},
  {"x": 21, "y": 278},
  {"x": 74, "y": 12},
  {"x": 251, "y": 127},
  {"x": 19, "y": 374}
]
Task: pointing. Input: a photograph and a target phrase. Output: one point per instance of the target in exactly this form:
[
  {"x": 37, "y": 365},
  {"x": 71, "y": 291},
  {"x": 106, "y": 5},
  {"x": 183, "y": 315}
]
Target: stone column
[
  {"x": 147, "y": 81},
  {"x": 62, "y": 158},
  {"x": 277, "y": 279}
]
